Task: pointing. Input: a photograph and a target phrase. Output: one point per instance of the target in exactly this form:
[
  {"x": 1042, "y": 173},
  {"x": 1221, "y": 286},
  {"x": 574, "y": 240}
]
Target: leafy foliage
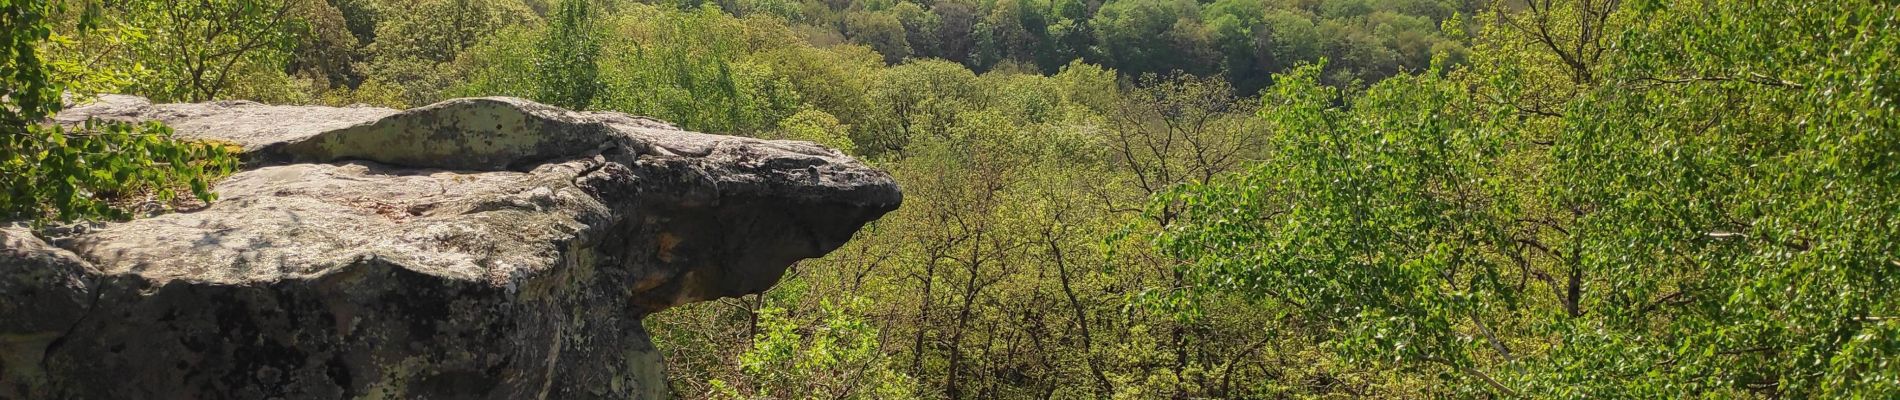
[
  {"x": 197, "y": 50},
  {"x": 833, "y": 354},
  {"x": 60, "y": 173},
  {"x": 1706, "y": 211},
  {"x": 52, "y": 172},
  {"x": 421, "y": 46},
  {"x": 565, "y": 70}
]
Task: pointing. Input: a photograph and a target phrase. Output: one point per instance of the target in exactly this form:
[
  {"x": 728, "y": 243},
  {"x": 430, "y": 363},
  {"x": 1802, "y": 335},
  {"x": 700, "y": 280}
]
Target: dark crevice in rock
[{"x": 98, "y": 290}]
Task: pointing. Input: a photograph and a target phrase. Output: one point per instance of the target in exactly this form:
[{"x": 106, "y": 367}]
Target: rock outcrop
[{"x": 487, "y": 248}]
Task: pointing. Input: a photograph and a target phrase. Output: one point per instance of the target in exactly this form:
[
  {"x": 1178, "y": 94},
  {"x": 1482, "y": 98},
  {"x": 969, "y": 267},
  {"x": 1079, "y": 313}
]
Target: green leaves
[
  {"x": 831, "y": 354},
  {"x": 1705, "y": 209},
  {"x": 100, "y": 169},
  {"x": 55, "y": 173},
  {"x": 202, "y": 50},
  {"x": 566, "y": 73}
]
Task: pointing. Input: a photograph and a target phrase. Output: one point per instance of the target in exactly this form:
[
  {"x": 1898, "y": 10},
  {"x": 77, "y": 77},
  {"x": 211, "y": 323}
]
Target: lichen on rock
[{"x": 475, "y": 248}]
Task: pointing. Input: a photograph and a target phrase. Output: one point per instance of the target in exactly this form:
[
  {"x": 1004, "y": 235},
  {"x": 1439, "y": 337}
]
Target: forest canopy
[{"x": 1154, "y": 198}]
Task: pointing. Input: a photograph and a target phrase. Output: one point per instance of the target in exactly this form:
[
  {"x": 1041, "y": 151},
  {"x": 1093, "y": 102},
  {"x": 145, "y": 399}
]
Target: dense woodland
[{"x": 1155, "y": 198}]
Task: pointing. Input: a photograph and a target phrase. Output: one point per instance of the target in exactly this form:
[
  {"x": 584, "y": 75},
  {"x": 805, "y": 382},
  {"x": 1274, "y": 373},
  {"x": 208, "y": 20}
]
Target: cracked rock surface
[{"x": 476, "y": 248}]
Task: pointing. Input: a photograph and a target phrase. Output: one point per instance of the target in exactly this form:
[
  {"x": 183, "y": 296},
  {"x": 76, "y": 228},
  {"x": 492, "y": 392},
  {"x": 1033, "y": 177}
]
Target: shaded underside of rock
[{"x": 476, "y": 248}]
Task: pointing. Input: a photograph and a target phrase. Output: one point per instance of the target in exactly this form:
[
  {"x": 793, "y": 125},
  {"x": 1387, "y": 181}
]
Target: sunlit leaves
[
  {"x": 198, "y": 50},
  {"x": 51, "y": 172},
  {"x": 60, "y": 173},
  {"x": 832, "y": 354},
  {"x": 565, "y": 66},
  {"x": 1711, "y": 201}
]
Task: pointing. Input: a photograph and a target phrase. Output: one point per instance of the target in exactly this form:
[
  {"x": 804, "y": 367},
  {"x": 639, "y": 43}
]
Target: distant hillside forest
[
  {"x": 1140, "y": 199},
  {"x": 419, "y": 51}
]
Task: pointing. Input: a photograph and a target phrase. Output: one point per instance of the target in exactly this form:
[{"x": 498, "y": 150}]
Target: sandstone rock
[
  {"x": 476, "y": 248},
  {"x": 253, "y": 125}
]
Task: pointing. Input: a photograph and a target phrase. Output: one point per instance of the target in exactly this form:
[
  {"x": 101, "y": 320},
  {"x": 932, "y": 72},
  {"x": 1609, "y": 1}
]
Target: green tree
[
  {"x": 326, "y": 50},
  {"x": 419, "y": 46},
  {"x": 833, "y": 354},
  {"x": 1011, "y": 32},
  {"x": 565, "y": 71},
  {"x": 493, "y": 67},
  {"x": 920, "y": 28},
  {"x": 1151, "y": 36},
  {"x": 832, "y": 80},
  {"x": 818, "y": 127},
  {"x": 199, "y": 49},
  {"x": 956, "y": 40},
  {"x": 53, "y": 172},
  {"x": 880, "y": 30},
  {"x": 694, "y": 68},
  {"x": 1235, "y": 27},
  {"x": 1704, "y": 208},
  {"x": 913, "y": 100}
]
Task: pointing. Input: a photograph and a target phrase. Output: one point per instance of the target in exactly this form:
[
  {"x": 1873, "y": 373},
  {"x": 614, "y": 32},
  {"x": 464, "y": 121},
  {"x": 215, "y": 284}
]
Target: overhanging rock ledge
[{"x": 476, "y": 248}]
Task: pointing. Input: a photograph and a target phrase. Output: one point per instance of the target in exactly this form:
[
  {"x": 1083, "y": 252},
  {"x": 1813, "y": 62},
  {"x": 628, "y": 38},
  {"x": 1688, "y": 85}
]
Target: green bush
[{"x": 56, "y": 173}]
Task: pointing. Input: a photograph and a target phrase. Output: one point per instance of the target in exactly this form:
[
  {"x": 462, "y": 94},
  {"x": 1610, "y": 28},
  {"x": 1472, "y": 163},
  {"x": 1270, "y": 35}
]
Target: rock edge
[{"x": 474, "y": 248}]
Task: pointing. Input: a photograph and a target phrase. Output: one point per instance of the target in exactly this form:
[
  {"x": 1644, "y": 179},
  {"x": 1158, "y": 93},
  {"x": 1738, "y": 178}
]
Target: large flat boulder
[{"x": 476, "y": 248}]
